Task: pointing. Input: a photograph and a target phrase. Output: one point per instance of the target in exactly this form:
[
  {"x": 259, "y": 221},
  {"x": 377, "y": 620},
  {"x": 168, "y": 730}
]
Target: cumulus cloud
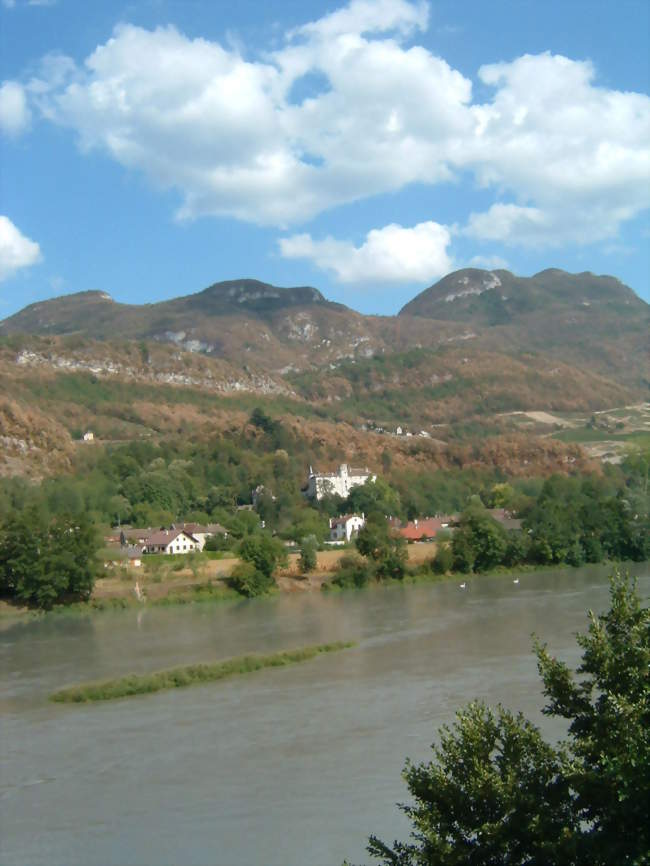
[
  {"x": 575, "y": 156},
  {"x": 233, "y": 136},
  {"x": 368, "y": 16},
  {"x": 392, "y": 254},
  {"x": 490, "y": 263},
  {"x": 16, "y": 250},
  {"x": 15, "y": 115}
]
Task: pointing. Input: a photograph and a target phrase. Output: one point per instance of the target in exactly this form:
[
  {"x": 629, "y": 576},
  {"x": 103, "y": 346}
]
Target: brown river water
[{"x": 284, "y": 767}]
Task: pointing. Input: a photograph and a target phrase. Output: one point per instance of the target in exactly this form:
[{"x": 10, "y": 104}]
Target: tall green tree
[
  {"x": 374, "y": 497},
  {"x": 608, "y": 708},
  {"x": 497, "y": 793},
  {"x": 44, "y": 563},
  {"x": 308, "y": 554},
  {"x": 383, "y": 547},
  {"x": 261, "y": 554},
  {"x": 480, "y": 542}
]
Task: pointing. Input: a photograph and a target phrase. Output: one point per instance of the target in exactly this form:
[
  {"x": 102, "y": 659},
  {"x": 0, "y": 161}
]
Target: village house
[
  {"x": 339, "y": 483},
  {"x": 123, "y": 557},
  {"x": 134, "y": 556},
  {"x": 505, "y": 518},
  {"x": 425, "y": 529},
  {"x": 422, "y": 528},
  {"x": 343, "y": 528},
  {"x": 171, "y": 541},
  {"x": 201, "y": 532},
  {"x": 130, "y": 535}
]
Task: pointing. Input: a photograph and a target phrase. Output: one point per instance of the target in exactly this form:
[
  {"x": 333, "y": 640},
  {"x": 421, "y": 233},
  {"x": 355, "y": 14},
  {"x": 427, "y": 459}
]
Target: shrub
[
  {"x": 250, "y": 581},
  {"x": 308, "y": 554},
  {"x": 517, "y": 548},
  {"x": 443, "y": 561},
  {"x": 264, "y": 552},
  {"x": 353, "y": 571}
]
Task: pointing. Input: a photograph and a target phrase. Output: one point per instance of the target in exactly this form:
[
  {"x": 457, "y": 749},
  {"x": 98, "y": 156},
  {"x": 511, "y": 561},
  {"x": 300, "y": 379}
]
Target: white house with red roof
[{"x": 344, "y": 527}]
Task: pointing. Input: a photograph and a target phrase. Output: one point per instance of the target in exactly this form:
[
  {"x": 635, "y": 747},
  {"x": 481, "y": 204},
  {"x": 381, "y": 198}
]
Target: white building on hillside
[
  {"x": 343, "y": 528},
  {"x": 341, "y": 482}
]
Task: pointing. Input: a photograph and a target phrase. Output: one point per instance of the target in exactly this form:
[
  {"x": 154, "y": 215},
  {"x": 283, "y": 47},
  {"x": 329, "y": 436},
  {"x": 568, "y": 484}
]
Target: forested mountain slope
[{"x": 451, "y": 366}]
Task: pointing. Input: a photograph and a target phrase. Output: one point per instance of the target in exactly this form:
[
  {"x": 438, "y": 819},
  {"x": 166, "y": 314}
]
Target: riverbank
[
  {"x": 115, "y": 594},
  {"x": 157, "y": 579},
  {"x": 160, "y": 584}
]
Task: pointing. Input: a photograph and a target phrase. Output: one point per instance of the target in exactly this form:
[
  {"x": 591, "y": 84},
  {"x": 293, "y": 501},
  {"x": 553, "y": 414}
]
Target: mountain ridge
[
  {"x": 462, "y": 375},
  {"x": 294, "y": 295},
  {"x": 592, "y": 322}
]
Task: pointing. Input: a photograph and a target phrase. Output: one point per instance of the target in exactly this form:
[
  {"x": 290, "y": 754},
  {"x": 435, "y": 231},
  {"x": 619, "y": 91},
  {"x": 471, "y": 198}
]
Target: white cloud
[
  {"x": 223, "y": 130},
  {"x": 504, "y": 221},
  {"x": 489, "y": 263},
  {"x": 15, "y": 115},
  {"x": 368, "y": 16},
  {"x": 392, "y": 254},
  {"x": 16, "y": 250},
  {"x": 575, "y": 156},
  {"x": 560, "y": 153},
  {"x": 11, "y": 4}
]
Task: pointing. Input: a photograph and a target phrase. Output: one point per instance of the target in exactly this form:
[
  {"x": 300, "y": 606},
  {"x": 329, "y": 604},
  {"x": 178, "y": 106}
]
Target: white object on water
[
  {"x": 462, "y": 586},
  {"x": 516, "y": 580}
]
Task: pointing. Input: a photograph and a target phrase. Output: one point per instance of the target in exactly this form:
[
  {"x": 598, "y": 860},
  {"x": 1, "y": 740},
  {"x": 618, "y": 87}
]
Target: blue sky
[{"x": 151, "y": 148}]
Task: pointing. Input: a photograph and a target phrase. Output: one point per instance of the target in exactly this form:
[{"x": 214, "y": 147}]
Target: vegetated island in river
[{"x": 189, "y": 675}]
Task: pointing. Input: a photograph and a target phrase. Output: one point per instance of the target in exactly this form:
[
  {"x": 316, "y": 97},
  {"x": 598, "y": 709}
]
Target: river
[{"x": 284, "y": 767}]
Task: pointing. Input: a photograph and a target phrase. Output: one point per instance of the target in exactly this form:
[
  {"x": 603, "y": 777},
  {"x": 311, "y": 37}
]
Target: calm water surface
[{"x": 289, "y": 767}]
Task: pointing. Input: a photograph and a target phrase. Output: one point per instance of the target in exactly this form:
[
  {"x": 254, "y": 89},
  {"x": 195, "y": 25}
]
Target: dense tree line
[{"x": 572, "y": 521}]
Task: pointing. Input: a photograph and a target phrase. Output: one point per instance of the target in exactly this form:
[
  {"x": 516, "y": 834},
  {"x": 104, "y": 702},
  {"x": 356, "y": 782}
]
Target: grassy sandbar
[{"x": 189, "y": 675}]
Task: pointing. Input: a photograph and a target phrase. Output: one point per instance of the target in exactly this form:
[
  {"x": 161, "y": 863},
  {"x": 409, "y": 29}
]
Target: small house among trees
[{"x": 343, "y": 528}]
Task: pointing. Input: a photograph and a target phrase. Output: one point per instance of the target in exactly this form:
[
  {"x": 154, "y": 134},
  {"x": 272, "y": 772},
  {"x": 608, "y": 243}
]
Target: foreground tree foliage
[{"x": 497, "y": 793}]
